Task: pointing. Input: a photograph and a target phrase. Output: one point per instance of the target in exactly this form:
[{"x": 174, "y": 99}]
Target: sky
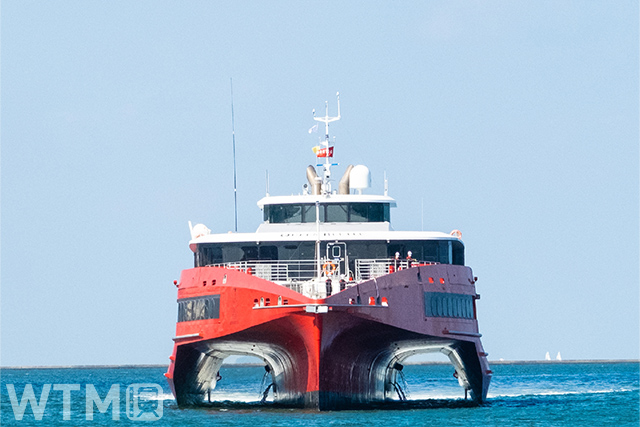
[{"x": 514, "y": 122}]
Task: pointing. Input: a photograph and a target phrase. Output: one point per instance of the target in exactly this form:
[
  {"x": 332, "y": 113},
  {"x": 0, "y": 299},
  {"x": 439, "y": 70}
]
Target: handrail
[
  {"x": 367, "y": 269},
  {"x": 278, "y": 271},
  {"x": 292, "y": 273}
]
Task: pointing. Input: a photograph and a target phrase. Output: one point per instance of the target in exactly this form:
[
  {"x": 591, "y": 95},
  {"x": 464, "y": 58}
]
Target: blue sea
[{"x": 546, "y": 394}]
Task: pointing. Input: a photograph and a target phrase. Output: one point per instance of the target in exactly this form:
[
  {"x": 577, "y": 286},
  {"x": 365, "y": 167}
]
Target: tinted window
[
  {"x": 199, "y": 308},
  {"x": 421, "y": 250},
  {"x": 367, "y": 250},
  {"x": 428, "y": 250},
  {"x": 309, "y": 213},
  {"x": 359, "y": 212},
  {"x": 336, "y": 213},
  {"x": 440, "y": 304},
  {"x": 279, "y": 214},
  {"x": 331, "y": 212},
  {"x": 458, "y": 253},
  {"x": 377, "y": 212},
  {"x": 221, "y": 253}
]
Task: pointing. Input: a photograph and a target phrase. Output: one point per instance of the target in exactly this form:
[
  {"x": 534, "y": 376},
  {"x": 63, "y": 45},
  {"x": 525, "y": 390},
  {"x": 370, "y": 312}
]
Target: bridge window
[
  {"x": 309, "y": 213},
  {"x": 285, "y": 213},
  {"x": 336, "y": 213},
  {"x": 329, "y": 212},
  {"x": 368, "y": 212}
]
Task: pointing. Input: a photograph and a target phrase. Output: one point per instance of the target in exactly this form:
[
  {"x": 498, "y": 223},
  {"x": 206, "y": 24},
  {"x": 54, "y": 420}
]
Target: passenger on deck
[
  {"x": 343, "y": 283},
  {"x": 409, "y": 259}
]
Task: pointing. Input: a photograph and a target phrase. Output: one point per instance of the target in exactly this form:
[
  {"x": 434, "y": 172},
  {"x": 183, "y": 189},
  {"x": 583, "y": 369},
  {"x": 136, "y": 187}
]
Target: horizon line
[{"x": 493, "y": 362}]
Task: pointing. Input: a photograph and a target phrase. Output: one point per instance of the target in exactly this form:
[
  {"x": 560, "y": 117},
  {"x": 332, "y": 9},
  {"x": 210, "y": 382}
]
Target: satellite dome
[{"x": 360, "y": 178}]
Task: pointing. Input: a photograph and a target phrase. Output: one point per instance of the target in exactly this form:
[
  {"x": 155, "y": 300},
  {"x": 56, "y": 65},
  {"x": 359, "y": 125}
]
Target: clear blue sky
[{"x": 515, "y": 122}]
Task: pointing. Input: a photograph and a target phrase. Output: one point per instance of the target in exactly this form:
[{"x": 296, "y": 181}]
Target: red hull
[{"x": 331, "y": 353}]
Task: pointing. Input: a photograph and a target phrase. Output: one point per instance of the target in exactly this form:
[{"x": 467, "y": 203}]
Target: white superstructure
[{"x": 325, "y": 239}]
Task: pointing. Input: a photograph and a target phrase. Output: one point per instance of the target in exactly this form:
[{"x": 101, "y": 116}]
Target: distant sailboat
[{"x": 558, "y": 357}]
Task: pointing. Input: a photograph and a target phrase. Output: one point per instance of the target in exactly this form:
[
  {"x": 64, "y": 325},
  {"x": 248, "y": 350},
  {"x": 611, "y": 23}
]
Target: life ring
[
  {"x": 456, "y": 233},
  {"x": 329, "y": 268}
]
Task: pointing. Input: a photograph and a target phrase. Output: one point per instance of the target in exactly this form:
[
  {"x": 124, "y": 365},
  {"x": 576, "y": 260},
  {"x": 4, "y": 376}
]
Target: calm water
[{"x": 528, "y": 395}]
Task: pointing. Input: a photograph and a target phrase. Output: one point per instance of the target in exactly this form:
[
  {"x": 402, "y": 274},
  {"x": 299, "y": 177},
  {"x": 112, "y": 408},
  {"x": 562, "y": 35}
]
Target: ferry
[{"x": 328, "y": 295}]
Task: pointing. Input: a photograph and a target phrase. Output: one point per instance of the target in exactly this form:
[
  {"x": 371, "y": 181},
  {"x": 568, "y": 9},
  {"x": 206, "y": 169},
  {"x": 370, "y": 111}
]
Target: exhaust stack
[
  {"x": 314, "y": 180},
  {"x": 343, "y": 186}
]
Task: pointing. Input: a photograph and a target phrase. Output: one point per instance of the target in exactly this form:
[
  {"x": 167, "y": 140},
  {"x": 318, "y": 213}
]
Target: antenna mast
[
  {"x": 327, "y": 163},
  {"x": 235, "y": 187}
]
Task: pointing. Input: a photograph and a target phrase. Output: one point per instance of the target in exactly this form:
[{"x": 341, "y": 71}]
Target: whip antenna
[{"x": 235, "y": 187}]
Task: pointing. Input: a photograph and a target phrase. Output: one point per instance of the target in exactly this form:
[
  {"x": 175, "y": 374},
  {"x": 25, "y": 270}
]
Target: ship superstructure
[{"x": 328, "y": 295}]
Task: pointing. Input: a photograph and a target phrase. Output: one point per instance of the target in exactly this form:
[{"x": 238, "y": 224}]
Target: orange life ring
[
  {"x": 456, "y": 233},
  {"x": 329, "y": 268}
]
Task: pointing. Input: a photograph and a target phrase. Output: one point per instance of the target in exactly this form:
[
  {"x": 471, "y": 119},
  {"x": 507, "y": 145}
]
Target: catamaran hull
[{"x": 344, "y": 351}]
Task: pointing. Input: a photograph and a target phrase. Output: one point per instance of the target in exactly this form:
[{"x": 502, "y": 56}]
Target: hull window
[
  {"x": 442, "y": 304},
  {"x": 199, "y": 308}
]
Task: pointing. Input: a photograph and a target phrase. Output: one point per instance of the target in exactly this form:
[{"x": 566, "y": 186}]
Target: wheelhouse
[{"x": 329, "y": 212}]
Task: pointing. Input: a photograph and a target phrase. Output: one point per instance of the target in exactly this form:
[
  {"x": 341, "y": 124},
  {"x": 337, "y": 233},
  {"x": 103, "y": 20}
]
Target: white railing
[
  {"x": 367, "y": 269},
  {"x": 276, "y": 271},
  {"x": 295, "y": 273},
  {"x": 298, "y": 275}
]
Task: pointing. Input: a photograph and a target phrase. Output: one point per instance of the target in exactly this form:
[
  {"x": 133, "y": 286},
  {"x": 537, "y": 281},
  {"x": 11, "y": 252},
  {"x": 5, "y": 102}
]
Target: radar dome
[{"x": 360, "y": 177}]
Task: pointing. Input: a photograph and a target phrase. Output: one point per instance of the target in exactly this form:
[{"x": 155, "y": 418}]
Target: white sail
[
  {"x": 547, "y": 356},
  {"x": 558, "y": 357}
]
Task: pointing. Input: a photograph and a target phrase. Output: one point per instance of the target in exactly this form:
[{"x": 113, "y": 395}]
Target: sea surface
[{"x": 546, "y": 394}]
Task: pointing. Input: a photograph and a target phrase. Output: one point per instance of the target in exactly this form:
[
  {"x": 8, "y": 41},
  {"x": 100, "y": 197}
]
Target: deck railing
[
  {"x": 367, "y": 269},
  {"x": 289, "y": 271},
  {"x": 293, "y": 273}
]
